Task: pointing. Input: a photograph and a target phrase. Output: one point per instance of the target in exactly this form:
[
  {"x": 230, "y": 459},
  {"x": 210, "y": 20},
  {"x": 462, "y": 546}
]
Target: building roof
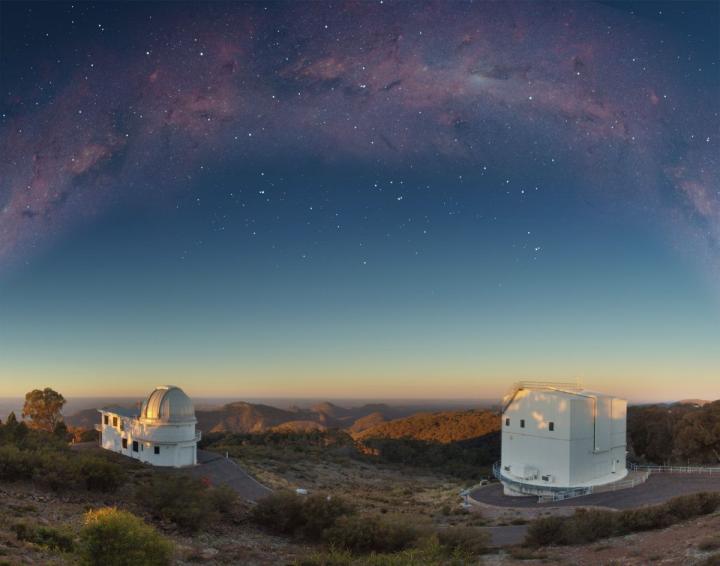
[
  {"x": 168, "y": 404},
  {"x": 120, "y": 411},
  {"x": 559, "y": 389}
]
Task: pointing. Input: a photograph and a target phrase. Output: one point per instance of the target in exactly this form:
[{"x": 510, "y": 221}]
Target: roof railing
[{"x": 569, "y": 386}]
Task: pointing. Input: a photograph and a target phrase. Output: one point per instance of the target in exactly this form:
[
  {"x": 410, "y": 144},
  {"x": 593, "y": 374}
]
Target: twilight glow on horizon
[{"x": 360, "y": 199}]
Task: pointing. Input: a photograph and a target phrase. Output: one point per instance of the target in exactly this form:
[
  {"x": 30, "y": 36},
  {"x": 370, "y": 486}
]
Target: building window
[
  {"x": 124, "y": 443},
  {"x": 135, "y": 446},
  {"x": 157, "y": 450},
  {"x": 507, "y": 422},
  {"x": 122, "y": 425},
  {"x": 106, "y": 419},
  {"x": 551, "y": 426},
  {"x": 114, "y": 421},
  {"x": 522, "y": 423}
]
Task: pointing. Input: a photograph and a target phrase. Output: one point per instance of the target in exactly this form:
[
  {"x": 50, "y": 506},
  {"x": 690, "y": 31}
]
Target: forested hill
[
  {"x": 441, "y": 427},
  {"x": 681, "y": 433}
]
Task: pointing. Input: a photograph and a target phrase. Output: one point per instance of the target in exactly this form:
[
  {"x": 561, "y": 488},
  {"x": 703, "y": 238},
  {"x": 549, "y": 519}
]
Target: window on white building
[
  {"x": 551, "y": 426},
  {"x": 136, "y": 446},
  {"x": 106, "y": 419},
  {"x": 157, "y": 450},
  {"x": 507, "y": 422},
  {"x": 124, "y": 443},
  {"x": 522, "y": 423}
]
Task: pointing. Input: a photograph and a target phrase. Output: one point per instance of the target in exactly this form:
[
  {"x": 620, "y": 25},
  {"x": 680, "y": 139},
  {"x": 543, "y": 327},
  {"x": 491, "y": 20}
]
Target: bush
[
  {"x": 59, "y": 469},
  {"x": 321, "y": 512},
  {"x": 280, "y": 512},
  {"x": 14, "y": 464},
  {"x": 467, "y": 540},
  {"x": 54, "y": 539},
  {"x": 287, "y": 513},
  {"x": 118, "y": 538},
  {"x": 588, "y": 526},
  {"x": 223, "y": 499},
  {"x": 591, "y": 525},
  {"x": 99, "y": 474},
  {"x": 371, "y": 534},
  {"x": 188, "y": 502}
]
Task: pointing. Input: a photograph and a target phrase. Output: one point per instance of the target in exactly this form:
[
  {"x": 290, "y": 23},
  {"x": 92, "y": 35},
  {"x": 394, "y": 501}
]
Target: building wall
[
  {"x": 583, "y": 448},
  {"x": 535, "y": 446},
  {"x": 177, "y": 444}
]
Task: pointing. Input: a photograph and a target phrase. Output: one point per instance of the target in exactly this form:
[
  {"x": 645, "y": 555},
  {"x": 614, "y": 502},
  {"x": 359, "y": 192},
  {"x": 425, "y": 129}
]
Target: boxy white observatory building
[
  {"x": 162, "y": 434},
  {"x": 558, "y": 436}
]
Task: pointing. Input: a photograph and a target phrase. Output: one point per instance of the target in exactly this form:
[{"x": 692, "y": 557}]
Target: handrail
[
  {"x": 655, "y": 469},
  {"x": 543, "y": 492}
]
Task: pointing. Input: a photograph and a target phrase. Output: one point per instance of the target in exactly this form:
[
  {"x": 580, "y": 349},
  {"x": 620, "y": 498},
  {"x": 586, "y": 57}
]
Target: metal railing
[
  {"x": 673, "y": 469},
  {"x": 544, "y": 493}
]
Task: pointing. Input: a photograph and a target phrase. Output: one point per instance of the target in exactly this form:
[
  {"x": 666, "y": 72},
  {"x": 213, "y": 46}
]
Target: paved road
[
  {"x": 657, "y": 488},
  {"x": 507, "y": 536},
  {"x": 220, "y": 470}
]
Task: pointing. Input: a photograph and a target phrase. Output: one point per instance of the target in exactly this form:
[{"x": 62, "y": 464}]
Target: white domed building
[{"x": 162, "y": 434}]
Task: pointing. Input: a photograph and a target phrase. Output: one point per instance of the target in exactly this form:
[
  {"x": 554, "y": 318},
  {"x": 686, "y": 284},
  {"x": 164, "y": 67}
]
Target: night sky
[{"x": 370, "y": 199}]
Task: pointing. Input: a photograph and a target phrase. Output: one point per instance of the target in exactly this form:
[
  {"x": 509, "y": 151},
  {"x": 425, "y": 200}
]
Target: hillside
[
  {"x": 442, "y": 427},
  {"x": 244, "y": 417}
]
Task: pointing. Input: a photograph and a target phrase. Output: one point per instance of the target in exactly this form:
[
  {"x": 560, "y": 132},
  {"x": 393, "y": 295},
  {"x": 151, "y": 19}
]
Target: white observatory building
[
  {"x": 558, "y": 436},
  {"x": 162, "y": 434}
]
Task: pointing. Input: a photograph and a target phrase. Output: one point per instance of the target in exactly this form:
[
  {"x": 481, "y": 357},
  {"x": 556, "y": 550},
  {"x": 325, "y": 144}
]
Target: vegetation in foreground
[
  {"x": 589, "y": 525},
  {"x": 350, "y": 536}
]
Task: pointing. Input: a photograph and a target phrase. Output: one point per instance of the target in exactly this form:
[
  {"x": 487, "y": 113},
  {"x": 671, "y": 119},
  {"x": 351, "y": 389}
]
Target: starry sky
[{"x": 360, "y": 199}]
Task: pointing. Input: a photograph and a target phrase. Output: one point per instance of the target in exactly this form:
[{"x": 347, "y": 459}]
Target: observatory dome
[{"x": 168, "y": 404}]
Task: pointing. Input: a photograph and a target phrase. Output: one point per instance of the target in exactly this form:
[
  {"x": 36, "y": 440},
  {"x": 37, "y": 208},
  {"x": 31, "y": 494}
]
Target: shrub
[
  {"x": 118, "y": 538},
  {"x": 285, "y": 512},
  {"x": 48, "y": 537},
  {"x": 588, "y": 526},
  {"x": 54, "y": 470},
  {"x": 370, "y": 534},
  {"x": 545, "y": 531},
  {"x": 223, "y": 499},
  {"x": 709, "y": 544},
  {"x": 188, "y": 502},
  {"x": 591, "y": 525},
  {"x": 280, "y": 512},
  {"x": 98, "y": 474},
  {"x": 14, "y": 464},
  {"x": 321, "y": 512},
  {"x": 468, "y": 540},
  {"x": 644, "y": 519}
]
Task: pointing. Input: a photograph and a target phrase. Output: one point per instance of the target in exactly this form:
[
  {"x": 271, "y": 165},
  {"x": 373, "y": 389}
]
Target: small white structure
[
  {"x": 162, "y": 434},
  {"x": 558, "y": 437}
]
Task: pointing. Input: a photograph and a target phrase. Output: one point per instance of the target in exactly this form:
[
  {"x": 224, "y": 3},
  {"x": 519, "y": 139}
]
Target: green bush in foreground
[
  {"x": 111, "y": 537},
  {"x": 590, "y": 525}
]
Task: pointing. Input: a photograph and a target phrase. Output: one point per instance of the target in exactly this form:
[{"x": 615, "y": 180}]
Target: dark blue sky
[{"x": 376, "y": 199}]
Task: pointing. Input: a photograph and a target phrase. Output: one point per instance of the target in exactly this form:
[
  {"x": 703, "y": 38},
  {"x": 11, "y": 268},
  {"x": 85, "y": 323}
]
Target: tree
[{"x": 43, "y": 408}]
